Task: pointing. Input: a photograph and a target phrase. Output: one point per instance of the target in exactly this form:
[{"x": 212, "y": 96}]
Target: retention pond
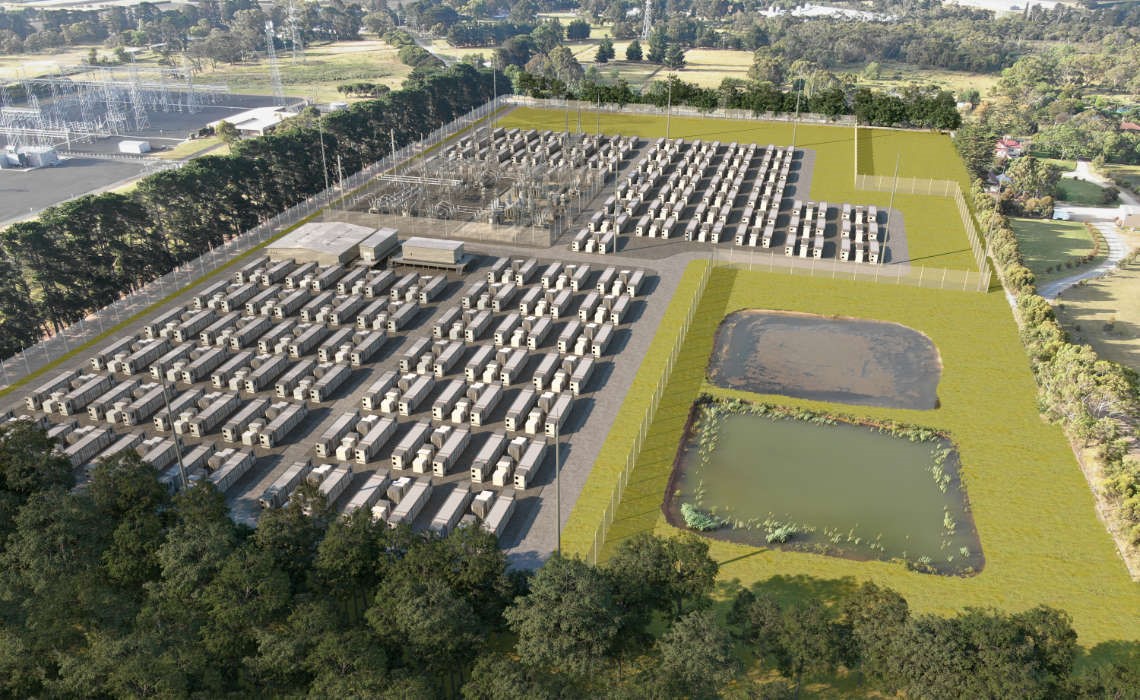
[
  {"x": 853, "y": 361},
  {"x": 805, "y": 482}
]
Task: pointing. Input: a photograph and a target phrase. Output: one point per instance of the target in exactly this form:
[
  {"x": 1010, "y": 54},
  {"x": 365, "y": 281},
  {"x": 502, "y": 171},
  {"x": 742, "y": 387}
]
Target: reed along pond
[
  {"x": 844, "y": 360},
  {"x": 838, "y": 489}
]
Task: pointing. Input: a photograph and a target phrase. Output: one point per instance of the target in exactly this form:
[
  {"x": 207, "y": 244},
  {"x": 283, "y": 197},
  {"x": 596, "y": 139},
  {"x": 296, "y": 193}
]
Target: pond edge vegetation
[{"x": 697, "y": 516}]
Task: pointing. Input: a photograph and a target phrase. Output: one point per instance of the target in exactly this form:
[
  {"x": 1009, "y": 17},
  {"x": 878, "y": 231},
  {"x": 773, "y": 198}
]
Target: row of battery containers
[
  {"x": 189, "y": 364},
  {"x": 203, "y": 320},
  {"x": 555, "y": 276},
  {"x": 399, "y": 501},
  {"x": 436, "y": 449},
  {"x": 292, "y": 276}
]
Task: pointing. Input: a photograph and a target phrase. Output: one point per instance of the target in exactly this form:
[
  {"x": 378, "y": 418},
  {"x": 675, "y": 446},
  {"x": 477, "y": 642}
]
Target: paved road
[
  {"x": 1117, "y": 249},
  {"x": 1084, "y": 171}
]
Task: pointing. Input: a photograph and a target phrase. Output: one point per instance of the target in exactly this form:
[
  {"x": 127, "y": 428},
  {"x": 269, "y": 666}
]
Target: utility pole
[
  {"x": 890, "y": 210},
  {"x": 558, "y": 487},
  {"x": 669, "y": 105},
  {"x": 173, "y": 435}
]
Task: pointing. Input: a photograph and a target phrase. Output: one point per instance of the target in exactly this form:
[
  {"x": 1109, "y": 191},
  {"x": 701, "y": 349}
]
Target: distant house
[
  {"x": 1129, "y": 126},
  {"x": 1008, "y": 148}
]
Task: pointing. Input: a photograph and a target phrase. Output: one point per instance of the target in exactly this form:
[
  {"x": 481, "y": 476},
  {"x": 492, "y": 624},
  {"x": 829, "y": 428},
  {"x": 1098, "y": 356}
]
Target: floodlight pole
[
  {"x": 324, "y": 163},
  {"x": 669, "y": 106},
  {"x": 796, "y": 120},
  {"x": 890, "y": 206},
  {"x": 558, "y": 488},
  {"x": 173, "y": 434}
]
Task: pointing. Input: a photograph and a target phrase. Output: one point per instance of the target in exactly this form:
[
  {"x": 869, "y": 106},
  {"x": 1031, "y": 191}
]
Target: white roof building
[
  {"x": 322, "y": 242},
  {"x": 257, "y": 121}
]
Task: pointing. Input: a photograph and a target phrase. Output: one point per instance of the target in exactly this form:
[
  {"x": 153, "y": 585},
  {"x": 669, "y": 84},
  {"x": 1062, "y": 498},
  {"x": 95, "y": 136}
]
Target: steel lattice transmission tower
[
  {"x": 647, "y": 20},
  {"x": 274, "y": 70}
]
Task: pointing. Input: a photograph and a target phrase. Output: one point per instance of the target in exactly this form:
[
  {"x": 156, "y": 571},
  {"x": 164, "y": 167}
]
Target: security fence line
[
  {"x": 33, "y": 359},
  {"x": 610, "y": 511},
  {"x": 938, "y": 188}
]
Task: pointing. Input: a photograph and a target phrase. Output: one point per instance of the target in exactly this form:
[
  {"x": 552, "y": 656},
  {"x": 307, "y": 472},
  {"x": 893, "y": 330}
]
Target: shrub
[{"x": 697, "y": 519}]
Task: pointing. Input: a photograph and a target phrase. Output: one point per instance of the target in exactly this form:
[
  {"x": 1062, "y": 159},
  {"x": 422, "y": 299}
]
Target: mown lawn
[
  {"x": 1047, "y": 245},
  {"x": 935, "y": 237},
  {"x": 1041, "y": 538},
  {"x": 1070, "y": 189},
  {"x": 1105, "y": 313}
]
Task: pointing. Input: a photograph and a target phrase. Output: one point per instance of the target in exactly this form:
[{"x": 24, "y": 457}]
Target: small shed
[{"x": 134, "y": 147}]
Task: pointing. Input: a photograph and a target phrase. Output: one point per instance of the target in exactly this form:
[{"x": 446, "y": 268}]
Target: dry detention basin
[{"x": 866, "y": 363}]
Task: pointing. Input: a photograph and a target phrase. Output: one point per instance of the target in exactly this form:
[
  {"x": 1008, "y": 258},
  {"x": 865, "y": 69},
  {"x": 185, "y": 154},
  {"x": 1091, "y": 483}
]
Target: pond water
[
  {"x": 851, "y": 490},
  {"x": 853, "y": 361}
]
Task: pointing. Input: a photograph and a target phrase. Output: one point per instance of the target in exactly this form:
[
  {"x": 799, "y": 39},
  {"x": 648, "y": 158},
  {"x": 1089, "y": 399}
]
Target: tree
[
  {"x": 496, "y": 676},
  {"x": 547, "y": 36},
  {"x": 565, "y": 66},
  {"x": 605, "y": 51},
  {"x": 975, "y": 142},
  {"x": 578, "y": 30},
  {"x": 658, "y": 43},
  {"x": 767, "y": 67},
  {"x": 877, "y": 619},
  {"x": 674, "y": 57},
  {"x": 694, "y": 657},
  {"x": 653, "y": 574},
  {"x": 758, "y": 619},
  {"x": 633, "y": 51},
  {"x": 568, "y": 622},
  {"x": 227, "y": 132},
  {"x": 807, "y": 641},
  {"x": 427, "y": 621}
]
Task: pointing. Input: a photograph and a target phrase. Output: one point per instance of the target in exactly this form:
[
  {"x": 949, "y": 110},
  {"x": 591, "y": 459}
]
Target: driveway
[{"x": 1117, "y": 248}]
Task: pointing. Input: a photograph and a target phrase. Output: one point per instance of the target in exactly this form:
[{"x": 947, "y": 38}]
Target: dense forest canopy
[{"x": 120, "y": 590}]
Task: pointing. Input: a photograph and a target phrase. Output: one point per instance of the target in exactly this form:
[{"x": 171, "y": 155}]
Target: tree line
[
  {"x": 84, "y": 254},
  {"x": 220, "y": 30},
  {"x": 119, "y": 589},
  {"x": 1095, "y": 400},
  {"x": 926, "y": 108}
]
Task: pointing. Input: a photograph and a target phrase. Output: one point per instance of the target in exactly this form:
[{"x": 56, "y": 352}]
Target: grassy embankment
[{"x": 1048, "y": 245}]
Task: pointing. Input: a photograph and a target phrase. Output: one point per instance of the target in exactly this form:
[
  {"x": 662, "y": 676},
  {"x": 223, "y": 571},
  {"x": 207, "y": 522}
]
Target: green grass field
[
  {"x": 1047, "y": 245},
  {"x": 900, "y": 75},
  {"x": 324, "y": 67},
  {"x": 1128, "y": 175},
  {"x": 1105, "y": 313},
  {"x": 1040, "y": 534},
  {"x": 935, "y": 237},
  {"x": 1079, "y": 191}
]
